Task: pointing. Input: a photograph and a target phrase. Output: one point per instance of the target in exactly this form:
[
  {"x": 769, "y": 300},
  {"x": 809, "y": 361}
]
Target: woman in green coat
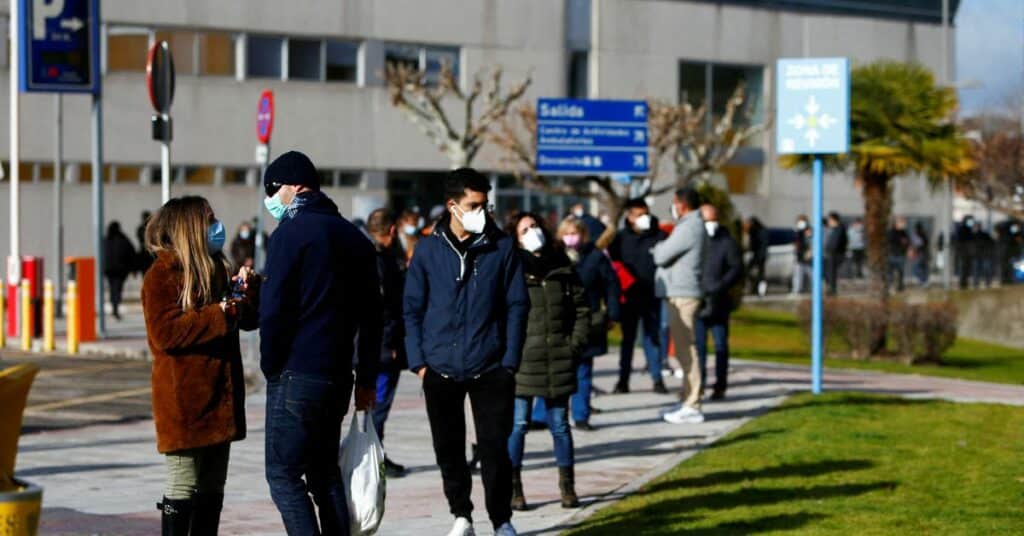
[{"x": 556, "y": 334}]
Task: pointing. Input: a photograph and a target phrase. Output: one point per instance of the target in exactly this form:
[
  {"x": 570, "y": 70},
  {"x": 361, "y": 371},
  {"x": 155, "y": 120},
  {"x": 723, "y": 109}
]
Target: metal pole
[
  {"x": 817, "y": 313},
  {"x": 947, "y": 191},
  {"x": 258, "y": 254},
  {"x": 97, "y": 208},
  {"x": 58, "y": 206},
  {"x": 14, "y": 261},
  {"x": 165, "y": 172}
]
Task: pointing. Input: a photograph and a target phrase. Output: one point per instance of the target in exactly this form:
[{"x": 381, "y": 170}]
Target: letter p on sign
[{"x": 42, "y": 10}]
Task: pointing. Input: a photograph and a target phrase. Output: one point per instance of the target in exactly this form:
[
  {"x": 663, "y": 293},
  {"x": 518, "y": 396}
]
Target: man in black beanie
[{"x": 321, "y": 291}]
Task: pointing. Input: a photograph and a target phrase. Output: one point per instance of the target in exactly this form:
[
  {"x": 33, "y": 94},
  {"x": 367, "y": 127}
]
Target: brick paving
[{"x": 105, "y": 479}]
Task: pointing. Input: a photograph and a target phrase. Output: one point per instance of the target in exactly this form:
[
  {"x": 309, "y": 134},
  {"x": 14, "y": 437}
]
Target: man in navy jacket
[
  {"x": 320, "y": 293},
  {"x": 465, "y": 308}
]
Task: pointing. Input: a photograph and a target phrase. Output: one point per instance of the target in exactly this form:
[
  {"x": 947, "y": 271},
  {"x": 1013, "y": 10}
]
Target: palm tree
[{"x": 900, "y": 123}]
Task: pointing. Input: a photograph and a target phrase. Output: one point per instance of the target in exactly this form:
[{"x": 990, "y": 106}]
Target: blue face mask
[
  {"x": 274, "y": 206},
  {"x": 409, "y": 229},
  {"x": 215, "y": 237}
]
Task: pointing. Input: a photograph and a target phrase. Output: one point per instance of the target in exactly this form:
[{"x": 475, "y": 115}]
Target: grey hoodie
[{"x": 679, "y": 257}]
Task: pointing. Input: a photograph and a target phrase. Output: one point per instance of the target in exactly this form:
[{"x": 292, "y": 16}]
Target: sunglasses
[{"x": 272, "y": 188}]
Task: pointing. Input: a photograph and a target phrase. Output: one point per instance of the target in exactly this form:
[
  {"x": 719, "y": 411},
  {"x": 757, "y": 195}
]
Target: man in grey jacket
[{"x": 679, "y": 259}]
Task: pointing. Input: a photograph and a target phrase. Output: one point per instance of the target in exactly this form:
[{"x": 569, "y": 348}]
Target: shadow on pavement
[{"x": 64, "y": 469}]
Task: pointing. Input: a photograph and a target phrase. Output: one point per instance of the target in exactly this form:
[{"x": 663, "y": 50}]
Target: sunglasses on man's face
[{"x": 272, "y": 188}]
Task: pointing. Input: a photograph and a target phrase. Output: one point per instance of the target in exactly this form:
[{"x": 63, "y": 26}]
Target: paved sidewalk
[{"x": 106, "y": 479}]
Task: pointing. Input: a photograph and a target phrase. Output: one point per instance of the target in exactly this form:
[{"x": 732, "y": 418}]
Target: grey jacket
[{"x": 679, "y": 258}]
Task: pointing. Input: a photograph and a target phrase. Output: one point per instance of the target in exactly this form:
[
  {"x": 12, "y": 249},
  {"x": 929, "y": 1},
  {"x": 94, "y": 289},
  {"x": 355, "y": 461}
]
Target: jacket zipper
[{"x": 462, "y": 275}]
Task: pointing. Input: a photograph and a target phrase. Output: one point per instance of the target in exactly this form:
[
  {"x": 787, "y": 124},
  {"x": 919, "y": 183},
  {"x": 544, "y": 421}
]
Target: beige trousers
[{"x": 682, "y": 312}]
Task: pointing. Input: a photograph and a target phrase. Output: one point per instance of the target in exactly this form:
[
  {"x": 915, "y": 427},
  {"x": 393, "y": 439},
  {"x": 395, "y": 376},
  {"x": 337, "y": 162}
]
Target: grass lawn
[
  {"x": 842, "y": 464},
  {"x": 768, "y": 335}
]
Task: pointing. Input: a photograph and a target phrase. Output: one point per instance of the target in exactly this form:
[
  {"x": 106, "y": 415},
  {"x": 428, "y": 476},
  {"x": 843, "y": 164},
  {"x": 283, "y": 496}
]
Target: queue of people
[{"x": 501, "y": 318}]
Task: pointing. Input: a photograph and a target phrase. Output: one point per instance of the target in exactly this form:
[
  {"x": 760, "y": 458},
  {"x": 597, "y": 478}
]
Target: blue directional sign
[
  {"x": 60, "y": 42},
  {"x": 813, "y": 106},
  {"x": 586, "y": 137}
]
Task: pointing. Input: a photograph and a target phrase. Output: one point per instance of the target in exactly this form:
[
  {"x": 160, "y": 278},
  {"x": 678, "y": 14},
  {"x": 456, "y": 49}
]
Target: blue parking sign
[
  {"x": 59, "y": 45},
  {"x": 813, "y": 106}
]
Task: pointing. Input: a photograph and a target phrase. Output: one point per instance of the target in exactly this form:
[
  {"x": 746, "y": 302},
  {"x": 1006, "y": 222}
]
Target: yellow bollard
[
  {"x": 26, "y": 315},
  {"x": 71, "y": 316},
  {"x": 3, "y": 314},
  {"x": 48, "y": 317}
]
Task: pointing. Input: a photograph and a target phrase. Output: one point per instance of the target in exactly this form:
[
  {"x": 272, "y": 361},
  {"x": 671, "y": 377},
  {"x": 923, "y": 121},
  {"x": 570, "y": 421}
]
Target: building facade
[{"x": 324, "y": 61}]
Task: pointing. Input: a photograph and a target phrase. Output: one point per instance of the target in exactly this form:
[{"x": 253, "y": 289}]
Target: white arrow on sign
[{"x": 74, "y": 24}]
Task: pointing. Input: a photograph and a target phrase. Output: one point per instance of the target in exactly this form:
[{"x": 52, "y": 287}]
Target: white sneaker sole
[{"x": 687, "y": 419}]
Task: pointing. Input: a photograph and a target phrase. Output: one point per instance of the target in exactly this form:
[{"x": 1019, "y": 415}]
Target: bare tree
[
  {"x": 997, "y": 147},
  {"x": 694, "y": 143},
  {"x": 423, "y": 102}
]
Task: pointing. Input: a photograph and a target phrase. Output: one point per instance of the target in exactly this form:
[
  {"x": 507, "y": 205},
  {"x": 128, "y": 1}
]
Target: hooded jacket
[
  {"x": 465, "y": 312},
  {"x": 321, "y": 290}
]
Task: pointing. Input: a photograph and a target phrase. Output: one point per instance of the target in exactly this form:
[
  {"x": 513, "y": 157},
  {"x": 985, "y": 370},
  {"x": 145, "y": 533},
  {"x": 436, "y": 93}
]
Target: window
[
  {"x": 425, "y": 58},
  {"x": 235, "y": 175},
  {"x": 342, "y": 61},
  {"x": 200, "y": 175},
  {"x": 304, "y": 61},
  {"x": 350, "y": 179},
  {"x": 578, "y": 87},
  {"x": 693, "y": 79},
  {"x": 217, "y": 54},
  {"x": 263, "y": 57},
  {"x": 127, "y": 49},
  {"x": 402, "y": 55},
  {"x": 128, "y": 174},
  {"x": 701, "y": 82},
  {"x": 183, "y": 49}
]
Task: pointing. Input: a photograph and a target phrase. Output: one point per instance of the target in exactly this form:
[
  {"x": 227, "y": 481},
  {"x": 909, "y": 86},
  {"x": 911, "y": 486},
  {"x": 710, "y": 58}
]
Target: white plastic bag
[{"x": 362, "y": 468}]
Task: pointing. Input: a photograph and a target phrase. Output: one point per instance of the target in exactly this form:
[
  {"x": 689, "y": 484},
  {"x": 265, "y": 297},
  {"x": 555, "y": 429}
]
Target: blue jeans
[
  {"x": 387, "y": 386},
  {"x": 632, "y": 316},
  {"x": 580, "y": 401},
  {"x": 719, "y": 328},
  {"x": 303, "y": 429},
  {"x": 558, "y": 424}
]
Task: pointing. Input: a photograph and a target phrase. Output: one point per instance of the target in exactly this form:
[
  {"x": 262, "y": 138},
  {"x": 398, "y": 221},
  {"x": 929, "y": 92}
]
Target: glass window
[
  {"x": 350, "y": 179},
  {"x": 127, "y": 49},
  {"x": 578, "y": 87},
  {"x": 304, "y": 61},
  {"x": 434, "y": 58},
  {"x": 235, "y": 175},
  {"x": 692, "y": 82},
  {"x": 263, "y": 57},
  {"x": 217, "y": 54},
  {"x": 326, "y": 177},
  {"x": 725, "y": 78},
  {"x": 342, "y": 61},
  {"x": 402, "y": 54},
  {"x": 741, "y": 179},
  {"x": 183, "y": 49},
  {"x": 200, "y": 175}
]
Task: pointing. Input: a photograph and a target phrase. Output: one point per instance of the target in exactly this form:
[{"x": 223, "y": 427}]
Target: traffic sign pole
[
  {"x": 264, "y": 128},
  {"x": 58, "y": 203},
  {"x": 165, "y": 172},
  {"x": 97, "y": 208},
  {"x": 14, "y": 261},
  {"x": 817, "y": 313}
]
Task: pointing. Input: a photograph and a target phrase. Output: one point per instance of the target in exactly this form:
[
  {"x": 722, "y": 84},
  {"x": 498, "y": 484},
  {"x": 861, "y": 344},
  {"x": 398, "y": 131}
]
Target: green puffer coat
[{"x": 557, "y": 329}]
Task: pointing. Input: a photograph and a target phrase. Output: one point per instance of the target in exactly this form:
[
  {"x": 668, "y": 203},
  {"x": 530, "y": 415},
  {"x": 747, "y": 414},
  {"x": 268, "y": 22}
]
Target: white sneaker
[
  {"x": 670, "y": 409},
  {"x": 684, "y": 415},
  {"x": 462, "y": 527},
  {"x": 678, "y": 373},
  {"x": 762, "y": 289},
  {"x": 506, "y": 530}
]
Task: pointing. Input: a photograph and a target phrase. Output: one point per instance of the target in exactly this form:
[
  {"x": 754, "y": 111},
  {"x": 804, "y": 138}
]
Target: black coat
[
  {"x": 633, "y": 250},
  {"x": 722, "y": 269},
  {"x": 835, "y": 241},
  {"x": 601, "y": 287},
  {"x": 391, "y": 270},
  {"x": 119, "y": 255},
  {"x": 557, "y": 328}
]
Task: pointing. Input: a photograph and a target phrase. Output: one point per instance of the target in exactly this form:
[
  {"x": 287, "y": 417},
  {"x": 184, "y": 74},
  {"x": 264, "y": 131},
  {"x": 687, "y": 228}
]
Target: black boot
[
  {"x": 206, "y": 509},
  {"x": 567, "y": 485},
  {"x": 659, "y": 388},
  {"x": 177, "y": 516},
  {"x": 518, "y": 499}
]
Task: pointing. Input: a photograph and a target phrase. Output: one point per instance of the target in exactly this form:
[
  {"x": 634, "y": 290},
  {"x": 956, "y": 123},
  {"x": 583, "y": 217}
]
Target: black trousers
[
  {"x": 832, "y": 263},
  {"x": 116, "y": 290},
  {"x": 492, "y": 396}
]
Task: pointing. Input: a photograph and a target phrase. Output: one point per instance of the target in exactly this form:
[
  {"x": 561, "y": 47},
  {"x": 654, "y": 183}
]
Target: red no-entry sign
[{"x": 265, "y": 116}]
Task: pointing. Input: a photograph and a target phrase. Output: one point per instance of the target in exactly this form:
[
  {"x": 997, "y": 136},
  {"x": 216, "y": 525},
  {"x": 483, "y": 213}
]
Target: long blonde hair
[{"x": 180, "y": 227}]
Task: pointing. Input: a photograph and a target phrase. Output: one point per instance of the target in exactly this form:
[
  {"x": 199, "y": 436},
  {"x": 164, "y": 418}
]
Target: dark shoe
[
  {"x": 621, "y": 389},
  {"x": 567, "y": 485},
  {"x": 518, "y": 499},
  {"x": 718, "y": 394},
  {"x": 659, "y": 388},
  {"x": 584, "y": 426},
  {"x": 474, "y": 462},
  {"x": 536, "y": 425},
  {"x": 206, "y": 509},
  {"x": 392, "y": 469},
  {"x": 117, "y": 316},
  {"x": 596, "y": 411},
  {"x": 176, "y": 518}
]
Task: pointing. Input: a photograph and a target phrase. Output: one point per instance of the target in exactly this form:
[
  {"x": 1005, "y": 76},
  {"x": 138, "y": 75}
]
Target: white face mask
[
  {"x": 533, "y": 240},
  {"x": 642, "y": 222},
  {"x": 712, "y": 227},
  {"x": 472, "y": 222},
  {"x": 578, "y": 212},
  {"x": 801, "y": 225}
]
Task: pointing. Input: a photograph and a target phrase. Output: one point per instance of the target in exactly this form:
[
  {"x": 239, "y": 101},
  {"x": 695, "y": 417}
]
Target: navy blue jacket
[
  {"x": 633, "y": 250},
  {"x": 321, "y": 291},
  {"x": 465, "y": 315},
  {"x": 601, "y": 286},
  {"x": 391, "y": 269}
]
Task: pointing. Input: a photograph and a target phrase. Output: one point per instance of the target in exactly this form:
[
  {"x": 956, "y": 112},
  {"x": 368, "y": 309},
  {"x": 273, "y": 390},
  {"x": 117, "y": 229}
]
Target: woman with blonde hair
[{"x": 193, "y": 312}]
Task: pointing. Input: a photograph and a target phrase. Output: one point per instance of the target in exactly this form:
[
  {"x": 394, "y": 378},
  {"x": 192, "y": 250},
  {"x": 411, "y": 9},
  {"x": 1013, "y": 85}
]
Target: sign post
[
  {"x": 589, "y": 137},
  {"x": 160, "y": 82},
  {"x": 264, "y": 128},
  {"x": 813, "y": 118},
  {"x": 56, "y": 46}
]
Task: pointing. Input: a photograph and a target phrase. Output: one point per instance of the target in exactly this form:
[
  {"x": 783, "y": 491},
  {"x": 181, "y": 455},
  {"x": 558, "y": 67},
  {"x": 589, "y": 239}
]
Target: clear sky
[{"x": 990, "y": 53}]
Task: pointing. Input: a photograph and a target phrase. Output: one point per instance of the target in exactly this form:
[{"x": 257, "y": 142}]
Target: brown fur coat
[{"x": 198, "y": 387}]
